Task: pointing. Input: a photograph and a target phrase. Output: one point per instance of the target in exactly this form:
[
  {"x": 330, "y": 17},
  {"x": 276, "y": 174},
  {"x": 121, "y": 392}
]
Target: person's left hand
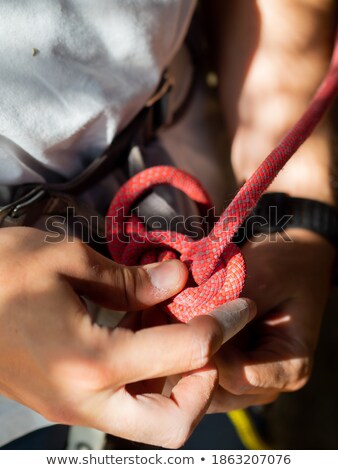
[{"x": 290, "y": 283}]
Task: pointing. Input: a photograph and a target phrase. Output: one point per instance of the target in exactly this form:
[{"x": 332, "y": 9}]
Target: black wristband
[{"x": 276, "y": 212}]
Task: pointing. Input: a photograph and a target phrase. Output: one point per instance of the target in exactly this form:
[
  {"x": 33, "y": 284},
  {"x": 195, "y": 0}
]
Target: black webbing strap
[{"x": 30, "y": 201}]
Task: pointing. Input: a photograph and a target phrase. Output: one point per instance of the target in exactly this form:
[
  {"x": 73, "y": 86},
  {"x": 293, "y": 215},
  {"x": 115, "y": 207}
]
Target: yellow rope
[{"x": 246, "y": 430}]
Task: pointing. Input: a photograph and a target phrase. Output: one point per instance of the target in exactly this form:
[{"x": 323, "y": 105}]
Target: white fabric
[{"x": 95, "y": 63}]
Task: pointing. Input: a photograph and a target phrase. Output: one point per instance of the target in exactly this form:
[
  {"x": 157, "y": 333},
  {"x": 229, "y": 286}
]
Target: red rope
[{"x": 217, "y": 268}]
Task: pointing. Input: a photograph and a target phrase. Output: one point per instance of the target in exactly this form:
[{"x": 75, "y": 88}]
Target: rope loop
[{"x": 130, "y": 243}]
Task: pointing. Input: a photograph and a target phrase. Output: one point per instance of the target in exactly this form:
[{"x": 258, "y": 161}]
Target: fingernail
[
  {"x": 167, "y": 275},
  {"x": 234, "y": 315}
]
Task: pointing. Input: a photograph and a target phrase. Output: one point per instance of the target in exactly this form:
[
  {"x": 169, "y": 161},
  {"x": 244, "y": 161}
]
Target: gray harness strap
[{"x": 31, "y": 201}]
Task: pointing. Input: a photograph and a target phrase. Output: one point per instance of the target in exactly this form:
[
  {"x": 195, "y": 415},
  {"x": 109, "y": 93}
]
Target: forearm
[{"x": 269, "y": 66}]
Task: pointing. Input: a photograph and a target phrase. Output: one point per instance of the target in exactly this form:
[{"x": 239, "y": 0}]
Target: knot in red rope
[{"x": 130, "y": 243}]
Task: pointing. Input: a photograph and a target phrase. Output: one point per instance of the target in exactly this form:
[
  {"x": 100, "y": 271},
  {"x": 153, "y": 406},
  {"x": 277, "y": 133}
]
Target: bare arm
[{"x": 271, "y": 56}]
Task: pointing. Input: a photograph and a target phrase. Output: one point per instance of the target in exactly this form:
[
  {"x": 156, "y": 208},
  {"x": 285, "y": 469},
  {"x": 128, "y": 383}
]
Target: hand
[
  {"x": 57, "y": 361},
  {"x": 275, "y": 354}
]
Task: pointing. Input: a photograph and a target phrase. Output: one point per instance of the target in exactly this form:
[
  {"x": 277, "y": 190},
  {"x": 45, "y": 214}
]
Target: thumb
[
  {"x": 120, "y": 287},
  {"x": 234, "y": 316}
]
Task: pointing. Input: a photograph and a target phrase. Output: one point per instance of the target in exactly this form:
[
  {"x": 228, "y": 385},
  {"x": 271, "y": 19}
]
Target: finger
[
  {"x": 155, "y": 419},
  {"x": 224, "y": 401},
  {"x": 149, "y": 318},
  {"x": 119, "y": 287},
  {"x": 231, "y": 316},
  {"x": 286, "y": 375},
  {"x": 171, "y": 349},
  {"x": 281, "y": 360},
  {"x": 267, "y": 369}
]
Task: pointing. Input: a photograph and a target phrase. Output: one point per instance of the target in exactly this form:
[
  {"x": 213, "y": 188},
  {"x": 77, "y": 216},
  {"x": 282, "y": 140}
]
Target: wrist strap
[{"x": 276, "y": 212}]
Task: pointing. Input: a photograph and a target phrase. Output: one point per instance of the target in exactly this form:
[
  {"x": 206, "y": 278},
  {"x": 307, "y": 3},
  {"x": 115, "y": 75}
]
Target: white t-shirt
[{"x": 74, "y": 72}]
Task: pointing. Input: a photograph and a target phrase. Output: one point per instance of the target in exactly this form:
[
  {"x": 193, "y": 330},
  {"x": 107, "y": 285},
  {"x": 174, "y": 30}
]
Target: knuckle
[
  {"x": 78, "y": 250},
  {"x": 241, "y": 385},
  {"x": 126, "y": 283},
  {"x": 132, "y": 283},
  {"x": 204, "y": 339},
  {"x": 70, "y": 249},
  {"x": 176, "y": 443},
  {"x": 284, "y": 376},
  {"x": 254, "y": 379},
  {"x": 59, "y": 413},
  {"x": 201, "y": 349},
  {"x": 292, "y": 375},
  {"x": 178, "y": 436},
  {"x": 297, "y": 385},
  {"x": 300, "y": 374}
]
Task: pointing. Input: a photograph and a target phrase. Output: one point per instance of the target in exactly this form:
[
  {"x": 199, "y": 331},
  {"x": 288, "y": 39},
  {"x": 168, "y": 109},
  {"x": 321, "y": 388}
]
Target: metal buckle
[
  {"x": 165, "y": 86},
  {"x": 19, "y": 207}
]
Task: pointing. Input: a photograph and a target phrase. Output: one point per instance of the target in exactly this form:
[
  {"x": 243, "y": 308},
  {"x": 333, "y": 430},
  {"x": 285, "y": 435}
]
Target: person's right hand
[{"x": 57, "y": 361}]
